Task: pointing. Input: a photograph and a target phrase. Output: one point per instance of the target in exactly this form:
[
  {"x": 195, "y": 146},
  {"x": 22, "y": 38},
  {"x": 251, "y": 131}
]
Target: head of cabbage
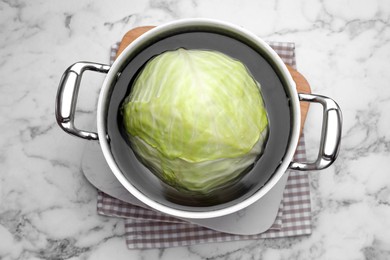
[{"x": 196, "y": 119}]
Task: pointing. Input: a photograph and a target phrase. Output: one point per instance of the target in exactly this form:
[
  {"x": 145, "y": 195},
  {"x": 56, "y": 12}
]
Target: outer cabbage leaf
[{"x": 196, "y": 118}]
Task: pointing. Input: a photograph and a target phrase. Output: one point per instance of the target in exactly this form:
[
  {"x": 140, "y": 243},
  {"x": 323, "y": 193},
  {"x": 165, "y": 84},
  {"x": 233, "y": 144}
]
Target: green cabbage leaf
[{"x": 196, "y": 119}]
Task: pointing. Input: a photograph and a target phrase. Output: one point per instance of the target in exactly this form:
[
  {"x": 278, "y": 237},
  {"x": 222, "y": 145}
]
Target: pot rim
[{"x": 113, "y": 74}]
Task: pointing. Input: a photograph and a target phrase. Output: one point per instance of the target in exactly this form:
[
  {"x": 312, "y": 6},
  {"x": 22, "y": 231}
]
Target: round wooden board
[{"x": 300, "y": 81}]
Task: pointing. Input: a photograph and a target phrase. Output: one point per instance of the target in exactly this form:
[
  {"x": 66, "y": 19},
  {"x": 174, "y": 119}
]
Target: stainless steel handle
[
  {"x": 67, "y": 97},
  {"x": 330, "y": 135}
]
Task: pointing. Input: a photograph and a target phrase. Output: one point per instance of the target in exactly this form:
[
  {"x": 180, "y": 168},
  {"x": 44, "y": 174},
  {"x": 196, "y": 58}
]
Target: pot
[{"x": 280, "y": 97}]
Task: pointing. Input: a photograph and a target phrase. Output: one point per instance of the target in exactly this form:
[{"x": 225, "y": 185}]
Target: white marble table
[{"x": 48, "y": 209}]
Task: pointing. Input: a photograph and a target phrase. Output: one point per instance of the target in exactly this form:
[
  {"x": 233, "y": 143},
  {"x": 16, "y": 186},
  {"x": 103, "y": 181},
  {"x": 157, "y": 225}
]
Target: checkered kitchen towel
[{"x": 146, "y": 228}]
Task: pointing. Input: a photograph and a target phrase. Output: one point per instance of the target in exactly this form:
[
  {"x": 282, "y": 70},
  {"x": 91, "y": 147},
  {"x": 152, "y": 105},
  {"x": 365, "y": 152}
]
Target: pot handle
[
  {"x": 67, "y": 97},
  {"x": 330, "y": 135}
]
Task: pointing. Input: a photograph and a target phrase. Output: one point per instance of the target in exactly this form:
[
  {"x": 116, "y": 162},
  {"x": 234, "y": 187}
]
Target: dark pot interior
[{"x": 275, "y": 95}]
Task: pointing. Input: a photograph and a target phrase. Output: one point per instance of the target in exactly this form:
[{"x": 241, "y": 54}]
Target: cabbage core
[{"x": 196, "y": 118}]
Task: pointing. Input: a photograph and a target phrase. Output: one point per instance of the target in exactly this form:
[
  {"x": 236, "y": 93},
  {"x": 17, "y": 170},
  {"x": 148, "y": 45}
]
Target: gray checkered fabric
[{"x": 146, "y": 228}]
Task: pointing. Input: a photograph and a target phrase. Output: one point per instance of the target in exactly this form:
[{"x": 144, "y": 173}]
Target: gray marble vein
[{"x": 47, "y": 207}]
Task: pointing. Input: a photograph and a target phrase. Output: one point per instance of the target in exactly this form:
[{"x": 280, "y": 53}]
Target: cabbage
[{"x": 196, "y": 119}]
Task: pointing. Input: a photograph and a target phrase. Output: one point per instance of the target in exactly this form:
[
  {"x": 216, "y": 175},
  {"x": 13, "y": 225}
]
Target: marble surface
[{"x": 48, "y": 209}]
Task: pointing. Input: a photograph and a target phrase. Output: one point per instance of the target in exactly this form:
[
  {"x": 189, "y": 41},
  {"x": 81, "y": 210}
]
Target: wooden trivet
[{"x": 302, "y": 84}]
